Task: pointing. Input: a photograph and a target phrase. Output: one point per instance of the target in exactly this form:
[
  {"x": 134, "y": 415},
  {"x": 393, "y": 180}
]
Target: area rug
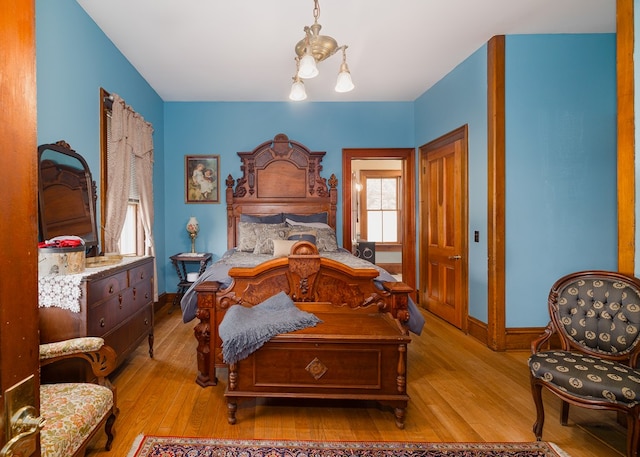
[{"x": 163, "y": 446}]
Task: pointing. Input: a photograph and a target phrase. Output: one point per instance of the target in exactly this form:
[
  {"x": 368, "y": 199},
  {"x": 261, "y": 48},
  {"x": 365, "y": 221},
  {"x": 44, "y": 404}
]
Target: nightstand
[{"x": 180, "y": 262}]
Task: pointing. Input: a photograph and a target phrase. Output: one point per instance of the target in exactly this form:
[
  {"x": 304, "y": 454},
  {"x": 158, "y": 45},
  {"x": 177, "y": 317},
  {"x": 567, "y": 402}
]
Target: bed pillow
[
  {"x": 301, "y": 233},
  {"x": 265, "y": 234},
  {"x": 247, "y": 234},
  {"x": 316, "y": 217},
  {"x": 326, "y": 240},
  {"x": 307, "y": 224},
  {"x": 282, "y": 248},
  {"x": 271, "y": 219}
]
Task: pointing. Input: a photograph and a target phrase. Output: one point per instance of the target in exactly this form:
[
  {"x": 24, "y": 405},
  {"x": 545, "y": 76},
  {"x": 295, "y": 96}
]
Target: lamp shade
[
  {"x": 344, "y": 82},
  {"x": 192, "y": 225},
  {"x": 298, "y": 92},
  {"x": 308, "y": 67}
]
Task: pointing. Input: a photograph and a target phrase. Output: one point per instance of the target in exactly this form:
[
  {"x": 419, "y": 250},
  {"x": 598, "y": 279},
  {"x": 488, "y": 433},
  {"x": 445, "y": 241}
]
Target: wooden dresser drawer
[
  {"x": 103, "y": 316},
  {"x": 103, "y": 288},
  {"x": 127, "y": 336},
  {"x": 142, "y": 273}
]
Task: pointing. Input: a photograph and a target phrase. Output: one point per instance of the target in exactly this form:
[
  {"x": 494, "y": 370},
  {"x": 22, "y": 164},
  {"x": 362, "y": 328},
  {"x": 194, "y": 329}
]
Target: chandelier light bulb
[
  {"x": 298, "y": 92},
  {"x": 344, "y": 82},
  {"x": 308, "y": 67}
]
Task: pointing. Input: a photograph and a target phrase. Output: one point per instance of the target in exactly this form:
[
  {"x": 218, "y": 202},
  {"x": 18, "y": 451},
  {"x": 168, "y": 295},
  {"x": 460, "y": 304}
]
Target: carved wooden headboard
[{"x": 279, "y": 176}]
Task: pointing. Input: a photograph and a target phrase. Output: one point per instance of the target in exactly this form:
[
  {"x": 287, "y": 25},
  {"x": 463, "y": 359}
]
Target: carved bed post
[
  {"x": 206, "y": 334},
  {"x": 399, "y": 300}
]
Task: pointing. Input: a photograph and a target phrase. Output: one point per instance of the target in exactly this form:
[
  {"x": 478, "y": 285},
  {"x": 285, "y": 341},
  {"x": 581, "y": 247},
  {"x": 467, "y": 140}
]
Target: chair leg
[
  {"x": 109, "y": 430},
  {"x": 536, "y": 391},
  {"x": 564, "y": 413},
  {"x": 633, "y": 433}
]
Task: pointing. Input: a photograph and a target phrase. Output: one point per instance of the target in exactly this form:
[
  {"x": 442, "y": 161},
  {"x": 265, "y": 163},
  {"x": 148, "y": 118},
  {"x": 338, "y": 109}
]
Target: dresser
[{"x": 114, "y": 302}]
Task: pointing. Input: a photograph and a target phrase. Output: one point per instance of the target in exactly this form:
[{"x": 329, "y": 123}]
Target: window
[
  {"x": 381, "y": 204},
  {"x": 131, "y": 240}
]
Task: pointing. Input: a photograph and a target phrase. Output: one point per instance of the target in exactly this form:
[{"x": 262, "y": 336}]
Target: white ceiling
[{"x": 243, "y": 50}]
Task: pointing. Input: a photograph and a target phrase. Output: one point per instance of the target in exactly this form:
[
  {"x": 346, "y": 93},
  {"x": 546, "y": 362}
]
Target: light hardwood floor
[{"x": 460, "y": 391}]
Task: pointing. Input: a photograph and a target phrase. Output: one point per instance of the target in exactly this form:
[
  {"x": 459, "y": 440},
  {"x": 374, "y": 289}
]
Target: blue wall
[
  {"x": 561, "y": 189},
  {"x": 74, "y": 60},
  {"x": 461, "y": 98},
  {"x": 561, "y": 150},
  {"x": 560, "y": 162},
  {"x": 227, "y": 128}
]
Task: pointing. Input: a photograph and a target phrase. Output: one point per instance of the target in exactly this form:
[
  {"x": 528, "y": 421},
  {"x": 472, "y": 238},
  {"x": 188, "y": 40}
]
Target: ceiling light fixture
[{"x": 314, "y": 48}]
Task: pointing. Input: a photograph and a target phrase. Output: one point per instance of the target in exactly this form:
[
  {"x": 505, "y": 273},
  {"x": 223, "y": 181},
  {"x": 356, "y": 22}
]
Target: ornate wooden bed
[{"x": 358, "y": 351}]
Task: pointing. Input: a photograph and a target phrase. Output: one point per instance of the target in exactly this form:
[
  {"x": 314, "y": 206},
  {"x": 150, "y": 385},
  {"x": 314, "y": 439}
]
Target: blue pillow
[
  {"x": 270, "y": 219},
  {"x": 316, "y": 217}
]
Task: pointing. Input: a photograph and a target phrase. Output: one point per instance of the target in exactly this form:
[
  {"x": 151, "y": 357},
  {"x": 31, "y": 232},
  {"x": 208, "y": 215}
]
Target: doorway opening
[{"x": 379, "y": 208}]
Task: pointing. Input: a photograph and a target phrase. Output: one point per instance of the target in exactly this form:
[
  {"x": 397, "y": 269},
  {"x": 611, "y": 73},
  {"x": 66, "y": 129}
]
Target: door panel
[
  {"x": 443, "y": 272},
  {"x": 18, "y": 227}
]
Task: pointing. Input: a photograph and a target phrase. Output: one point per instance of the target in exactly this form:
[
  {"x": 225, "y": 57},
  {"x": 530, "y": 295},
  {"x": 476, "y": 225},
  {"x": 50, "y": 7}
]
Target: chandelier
[{"x": 314, "y": 48}]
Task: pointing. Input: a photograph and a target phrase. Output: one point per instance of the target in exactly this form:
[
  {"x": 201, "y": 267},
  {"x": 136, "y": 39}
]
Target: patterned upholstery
[
  {"x": 588, "y": 377},
  {"x": 596, "y": 316},
  {"x": 72, "y": 412},
  {"x": 602, "y": 314},
  {"x": 75, "y": 412}
]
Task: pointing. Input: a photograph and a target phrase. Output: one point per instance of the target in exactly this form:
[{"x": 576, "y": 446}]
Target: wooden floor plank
[{"x": 460, "y": 391}]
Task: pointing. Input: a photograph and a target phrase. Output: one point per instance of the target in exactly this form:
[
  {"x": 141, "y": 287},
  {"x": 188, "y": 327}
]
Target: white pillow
[
  {"x": 282, "y": 248},
  {"x": 309, "y": 224}
]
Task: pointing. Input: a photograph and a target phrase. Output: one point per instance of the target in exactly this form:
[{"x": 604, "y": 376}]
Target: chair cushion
[
  {"x": 587, "y": 377},
  {"x": 602, "y": 314},
  {"x": 72, "y": 411}
]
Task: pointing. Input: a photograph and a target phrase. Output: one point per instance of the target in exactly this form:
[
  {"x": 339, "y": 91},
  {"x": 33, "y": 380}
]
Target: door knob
[
  {"x": 25, "y": 427},
  {"x": 454, "y": 257}
]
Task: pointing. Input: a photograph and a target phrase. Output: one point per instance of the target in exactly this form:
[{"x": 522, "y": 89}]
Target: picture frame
[{"x": 202, "y": 179}]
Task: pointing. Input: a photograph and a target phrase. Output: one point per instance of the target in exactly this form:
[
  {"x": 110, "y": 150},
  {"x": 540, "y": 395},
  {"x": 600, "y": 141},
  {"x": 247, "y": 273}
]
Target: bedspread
[{"x": 219, "y": 271}]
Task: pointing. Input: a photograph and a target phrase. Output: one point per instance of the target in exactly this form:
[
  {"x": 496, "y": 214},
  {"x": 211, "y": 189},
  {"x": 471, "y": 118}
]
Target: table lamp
[{"x": 193, "y": 228}]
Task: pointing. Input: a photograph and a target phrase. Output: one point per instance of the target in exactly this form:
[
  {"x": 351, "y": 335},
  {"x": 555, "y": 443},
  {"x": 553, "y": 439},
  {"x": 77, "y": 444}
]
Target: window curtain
[{"x": 131, "y": 139}]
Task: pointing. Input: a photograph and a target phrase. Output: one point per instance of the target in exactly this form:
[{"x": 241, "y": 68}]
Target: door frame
[{"x": 407, "y": 156}]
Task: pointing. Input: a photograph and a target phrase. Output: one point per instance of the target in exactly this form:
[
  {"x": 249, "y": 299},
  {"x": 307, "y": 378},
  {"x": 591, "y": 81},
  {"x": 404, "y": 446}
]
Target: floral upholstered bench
[{"x": 75, "y": 412}]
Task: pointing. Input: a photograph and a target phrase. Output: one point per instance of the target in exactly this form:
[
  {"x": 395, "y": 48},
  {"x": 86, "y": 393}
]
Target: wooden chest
[
  {"x": 115, "y": 304},
  {"x": 350, "y": 356}
]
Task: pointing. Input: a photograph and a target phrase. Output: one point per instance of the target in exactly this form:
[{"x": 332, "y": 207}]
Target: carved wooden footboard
[
  {"x": 358, "y": 352},
  {"x": 308, "y": 279}
]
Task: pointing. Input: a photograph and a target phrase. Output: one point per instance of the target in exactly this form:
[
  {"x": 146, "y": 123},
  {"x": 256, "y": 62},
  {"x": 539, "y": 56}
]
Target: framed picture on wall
[{"x": 202, "y": 179}]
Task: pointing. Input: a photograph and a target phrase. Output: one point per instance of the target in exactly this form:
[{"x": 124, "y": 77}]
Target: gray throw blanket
[{"x": 244, "y": 330}]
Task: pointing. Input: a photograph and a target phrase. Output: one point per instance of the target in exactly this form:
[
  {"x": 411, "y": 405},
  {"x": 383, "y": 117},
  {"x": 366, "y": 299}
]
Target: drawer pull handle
[
  {"x": 102, "y": 322},
  {"x": 146, "y": 321},
  {"x": 134, "y": 293},
  {"x": 146, "y": 296},
  {"x": 142, "y": 275},
  {"x": 110, "y": 288},
  {"x": 120, "y": 300}
]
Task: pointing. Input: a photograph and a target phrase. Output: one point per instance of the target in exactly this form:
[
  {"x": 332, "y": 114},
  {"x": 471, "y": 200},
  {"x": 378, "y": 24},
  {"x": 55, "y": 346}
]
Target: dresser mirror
[{"x": 66, "y": 196}]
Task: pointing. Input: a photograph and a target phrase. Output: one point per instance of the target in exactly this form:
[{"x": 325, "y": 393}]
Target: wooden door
[
  {"x": 443, "y": 219},
  {"x": 18, "y": 205}
]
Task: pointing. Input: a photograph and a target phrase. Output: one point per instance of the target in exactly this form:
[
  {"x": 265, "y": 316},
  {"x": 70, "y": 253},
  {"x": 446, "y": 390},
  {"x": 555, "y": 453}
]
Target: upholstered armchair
[
  {"x": 75, "y": 412},
  {"x": 596, "y": 316}
]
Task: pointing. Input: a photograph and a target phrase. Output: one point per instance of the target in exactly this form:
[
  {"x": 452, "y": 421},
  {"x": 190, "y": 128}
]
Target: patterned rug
[{"x": 159, "y": 446}]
